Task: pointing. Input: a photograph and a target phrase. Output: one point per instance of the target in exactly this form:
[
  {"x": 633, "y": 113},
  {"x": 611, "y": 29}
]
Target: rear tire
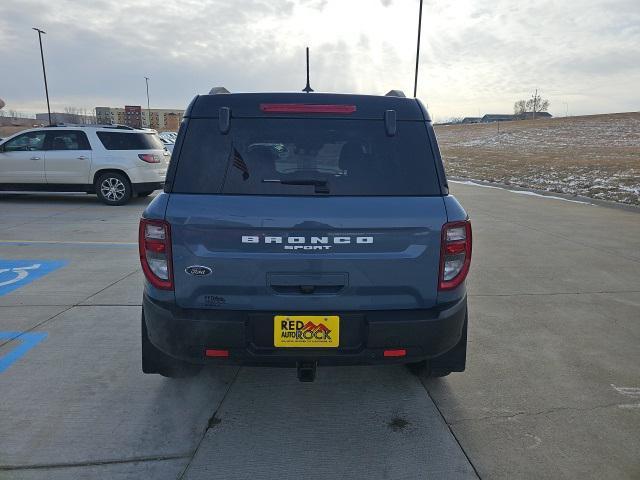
[
  {"x": 113, "y": 188},
  {"x": 156, "y": 361}
]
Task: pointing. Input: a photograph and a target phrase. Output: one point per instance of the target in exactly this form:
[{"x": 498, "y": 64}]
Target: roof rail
[
  {"x": 395, "y": 93},
  {"x": 91, "y": 125},
  {"x": 118, "y": 126},
  {"x": 218, "y": 90}
]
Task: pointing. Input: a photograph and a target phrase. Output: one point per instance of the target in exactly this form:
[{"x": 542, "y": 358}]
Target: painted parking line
[
  {"x": 71, "y": 243},
  {"x": 18, "y": 273},
  {"x": 27, "y": 340}
]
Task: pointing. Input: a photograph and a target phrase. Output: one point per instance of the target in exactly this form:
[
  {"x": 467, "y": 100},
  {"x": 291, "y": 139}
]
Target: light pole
[
  {"x": 415, "y": 82},
  {"x": 146, "y": 79},
  {"x": 566, "y": 112},
  {"x": 44, "y": 72}
]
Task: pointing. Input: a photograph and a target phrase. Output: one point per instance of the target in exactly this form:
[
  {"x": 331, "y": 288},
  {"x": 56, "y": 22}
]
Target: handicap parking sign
[{"x": 18, "y": 273}]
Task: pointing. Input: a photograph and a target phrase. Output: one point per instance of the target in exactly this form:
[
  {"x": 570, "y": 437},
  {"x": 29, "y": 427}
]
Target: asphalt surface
[{"x": 552, "y": 388}]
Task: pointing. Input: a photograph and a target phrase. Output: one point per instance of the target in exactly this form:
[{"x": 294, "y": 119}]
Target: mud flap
[{"x": 454, "y": 360}]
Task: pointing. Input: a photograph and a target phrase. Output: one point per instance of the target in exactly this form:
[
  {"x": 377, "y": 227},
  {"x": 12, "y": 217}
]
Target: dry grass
[
  {"x": 597, "y": 156},
  {"x": 10, "y": 130}
]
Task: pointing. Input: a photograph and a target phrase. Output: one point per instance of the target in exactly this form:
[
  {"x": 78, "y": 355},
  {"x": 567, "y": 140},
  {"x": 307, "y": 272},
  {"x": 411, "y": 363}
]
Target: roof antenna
[{"x": 308, "y": 87}]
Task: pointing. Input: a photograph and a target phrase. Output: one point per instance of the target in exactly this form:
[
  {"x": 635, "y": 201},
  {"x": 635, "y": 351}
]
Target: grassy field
[
  {"x": 10, "y": 130},
  {"x": 596, "y": 156}
]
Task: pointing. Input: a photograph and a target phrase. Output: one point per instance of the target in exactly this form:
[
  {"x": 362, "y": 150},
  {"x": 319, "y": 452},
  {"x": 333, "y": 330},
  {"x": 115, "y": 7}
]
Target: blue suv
[{"x": 304, "y": 229}]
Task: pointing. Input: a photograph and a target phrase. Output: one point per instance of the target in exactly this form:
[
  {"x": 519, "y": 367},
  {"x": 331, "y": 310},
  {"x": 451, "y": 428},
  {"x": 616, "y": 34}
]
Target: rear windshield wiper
[{"x": 321, "y": 185}]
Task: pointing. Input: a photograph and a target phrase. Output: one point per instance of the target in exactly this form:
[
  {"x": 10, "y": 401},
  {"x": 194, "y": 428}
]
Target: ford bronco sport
[{"x": 304, "y": 229}]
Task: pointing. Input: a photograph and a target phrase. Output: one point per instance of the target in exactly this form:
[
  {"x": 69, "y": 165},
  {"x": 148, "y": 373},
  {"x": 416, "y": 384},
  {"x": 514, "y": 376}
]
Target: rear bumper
[{"x": 248, "y": 335}]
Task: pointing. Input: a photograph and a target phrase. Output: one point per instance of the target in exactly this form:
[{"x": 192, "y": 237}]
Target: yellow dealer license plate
[{"x": 306, "y": 331}]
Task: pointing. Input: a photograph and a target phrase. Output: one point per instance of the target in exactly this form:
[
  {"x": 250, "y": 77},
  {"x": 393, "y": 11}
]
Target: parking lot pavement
[
  {"x": 552, "y": 388},
  {"x": 76, "y": 405}
]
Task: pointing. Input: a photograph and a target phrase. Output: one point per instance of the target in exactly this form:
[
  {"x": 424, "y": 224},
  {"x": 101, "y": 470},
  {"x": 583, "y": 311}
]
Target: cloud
[{"x": 474, "y": 56}]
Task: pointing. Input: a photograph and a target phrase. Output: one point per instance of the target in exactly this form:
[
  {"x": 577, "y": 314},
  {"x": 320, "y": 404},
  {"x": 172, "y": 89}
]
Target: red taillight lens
[
  {"x": 154, "y": 241},
  {"x": 149, "y": 157},
  {"x": 455, "y": 254},
  {"x": 400, "y": 352},
  {"x": 216, "y": 353},
  {"x": 305, "y": 108}
]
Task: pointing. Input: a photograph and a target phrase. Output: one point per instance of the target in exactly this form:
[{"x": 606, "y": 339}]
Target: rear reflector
[
  {"x": 305, "y": 108},
  {"x": 401, "y": 352},
  {"x": 216, "y": 353}
]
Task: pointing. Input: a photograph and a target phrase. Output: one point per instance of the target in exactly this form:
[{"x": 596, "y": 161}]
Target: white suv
[{"x": 113, "y": 161}]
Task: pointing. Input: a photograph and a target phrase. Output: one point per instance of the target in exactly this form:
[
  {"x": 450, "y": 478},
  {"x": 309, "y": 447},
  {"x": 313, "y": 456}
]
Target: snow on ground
[
  {"x": 520, "y": 192},
  {"x": 594, "y": 156}
]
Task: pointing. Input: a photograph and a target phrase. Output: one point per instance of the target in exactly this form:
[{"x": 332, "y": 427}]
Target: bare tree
[
  {"x": 77, "y": 115},
  {"x": 535, "y": 104},
  {"x": 80, "y": 115}
]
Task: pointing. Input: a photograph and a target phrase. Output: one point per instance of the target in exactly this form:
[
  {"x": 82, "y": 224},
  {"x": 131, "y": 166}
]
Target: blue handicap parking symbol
[
  {"x": 18, "y": 273},
  {"x": 27, "y": 340}
]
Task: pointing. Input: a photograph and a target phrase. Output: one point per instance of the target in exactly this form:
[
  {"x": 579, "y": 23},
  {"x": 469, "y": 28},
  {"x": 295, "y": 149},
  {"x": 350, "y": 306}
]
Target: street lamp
[
  {"x": 146, "y": 79},
  {"x": 415, "y": 83},
  {"x": 44, "y": 72}
]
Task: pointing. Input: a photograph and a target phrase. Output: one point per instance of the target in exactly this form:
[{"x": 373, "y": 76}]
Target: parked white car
[
  {"x": 168, "y": 144},
  {"x": 169, "y": 140},
  {"x": 113, "y": 161}
]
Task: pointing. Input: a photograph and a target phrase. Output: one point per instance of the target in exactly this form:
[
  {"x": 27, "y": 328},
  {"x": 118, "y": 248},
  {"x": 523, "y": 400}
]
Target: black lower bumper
[{"x": 248, "y": 335}]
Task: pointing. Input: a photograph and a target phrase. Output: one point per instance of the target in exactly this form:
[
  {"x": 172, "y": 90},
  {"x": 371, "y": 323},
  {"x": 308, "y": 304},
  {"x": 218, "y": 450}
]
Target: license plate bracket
[{"x": 306, "y": 331}]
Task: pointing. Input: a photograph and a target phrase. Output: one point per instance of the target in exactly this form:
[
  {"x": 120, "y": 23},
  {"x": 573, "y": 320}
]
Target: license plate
[{"x": 306, "y": 331}]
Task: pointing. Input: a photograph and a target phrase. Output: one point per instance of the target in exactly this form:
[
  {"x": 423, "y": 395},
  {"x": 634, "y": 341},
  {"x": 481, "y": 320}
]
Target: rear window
[
  {"x": 306, "y": 157},
  {"x": 130, "y": 141}
]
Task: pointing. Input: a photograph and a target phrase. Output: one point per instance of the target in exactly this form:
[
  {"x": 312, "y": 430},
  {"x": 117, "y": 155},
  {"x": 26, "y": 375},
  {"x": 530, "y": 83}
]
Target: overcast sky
[{"x": 477, "y": 56}]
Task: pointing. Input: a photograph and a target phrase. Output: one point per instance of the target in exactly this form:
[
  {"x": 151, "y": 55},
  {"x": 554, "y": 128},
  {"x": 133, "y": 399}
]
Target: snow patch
[{"x": 521, "y": 192}]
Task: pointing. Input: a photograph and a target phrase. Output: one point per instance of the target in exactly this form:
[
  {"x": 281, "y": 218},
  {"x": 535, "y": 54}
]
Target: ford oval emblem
[{"x": 198, "y": 270}]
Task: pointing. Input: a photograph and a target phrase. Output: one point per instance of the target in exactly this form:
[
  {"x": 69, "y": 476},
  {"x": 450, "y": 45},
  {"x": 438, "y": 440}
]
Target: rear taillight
[
  {"x": 149, "y": 157},
  {"x": 455, "y": 254},
  {"x": 154, "y": 240}
]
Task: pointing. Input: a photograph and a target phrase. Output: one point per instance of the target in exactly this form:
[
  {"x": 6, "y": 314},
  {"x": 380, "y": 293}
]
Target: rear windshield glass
[
  {"x": 306, "y": 157},
  {"x": 130, "y": 141}
]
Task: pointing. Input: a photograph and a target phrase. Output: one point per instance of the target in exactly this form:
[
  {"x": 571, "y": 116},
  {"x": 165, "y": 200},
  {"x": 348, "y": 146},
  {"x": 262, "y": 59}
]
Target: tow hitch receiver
[{"x": 307, "y": 371}]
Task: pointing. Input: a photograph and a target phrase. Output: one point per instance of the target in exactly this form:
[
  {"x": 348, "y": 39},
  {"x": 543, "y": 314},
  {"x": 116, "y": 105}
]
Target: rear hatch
[
  {"x": 305, "y": 214},
  {"x": 146, "y": 145}
]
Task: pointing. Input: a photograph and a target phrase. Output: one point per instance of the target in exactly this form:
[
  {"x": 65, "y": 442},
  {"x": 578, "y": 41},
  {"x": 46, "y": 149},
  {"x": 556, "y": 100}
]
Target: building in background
[
  {"x": 497, "y": 117},
  {"x": 161, "y": 119},
  {"x": 109, "y": 115},
  {"x": 467, "y": 120},
  {"x": 532, "y": 115},
  {"x": 58, "y": 117},
  {"x": 172, "y": 121},
  {"x": 133, "y": 116}
]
